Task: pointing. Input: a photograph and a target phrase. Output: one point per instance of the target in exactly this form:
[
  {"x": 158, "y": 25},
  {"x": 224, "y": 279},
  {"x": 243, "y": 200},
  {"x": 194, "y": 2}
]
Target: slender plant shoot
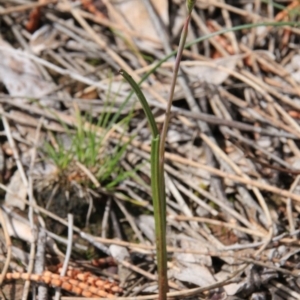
[
  {"x": 157, "y": 162},
  {"x": 157, "y": 186}
]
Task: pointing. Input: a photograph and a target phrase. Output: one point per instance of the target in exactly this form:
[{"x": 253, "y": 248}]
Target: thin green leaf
[
  {"x": 157, "y": 185},
  {"x": 143, "y": 101}
]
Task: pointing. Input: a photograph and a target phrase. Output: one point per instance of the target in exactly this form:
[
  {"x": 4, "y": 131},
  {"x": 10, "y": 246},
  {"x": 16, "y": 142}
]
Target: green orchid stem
[
  {"x": 158, "y": 192},
  {"x": 157, "y": 165},
  {"x": 159, "y": 205},
  {"x": 162, "y": 207}
]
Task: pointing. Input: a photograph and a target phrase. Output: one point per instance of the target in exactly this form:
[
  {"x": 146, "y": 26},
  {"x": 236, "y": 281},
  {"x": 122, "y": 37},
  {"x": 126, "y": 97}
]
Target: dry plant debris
[
  {"x": 83, "y": 284},
  {"x": 72, "y": 143}
]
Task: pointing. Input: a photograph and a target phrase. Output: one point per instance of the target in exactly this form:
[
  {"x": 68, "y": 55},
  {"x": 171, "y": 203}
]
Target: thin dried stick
[
  {"x": 88, "y": 173},
  {"x": 14, "y": 148},
  {"x": 30, "y": 212},
  {"x": 218, "y": 223},
  {"x": 193, "y": 197},
  {"x": 289, "y": 205},
  {"x": 30, "y": 269},
  {"x": 24, "y": 7},
  {"x": 68, "y": 253},
  {"x": 107, "y": 211},
  {"x": 8, "y": 247},
  {"x": 39, "y": 266},
  {"x": 281, "y": 286}
]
